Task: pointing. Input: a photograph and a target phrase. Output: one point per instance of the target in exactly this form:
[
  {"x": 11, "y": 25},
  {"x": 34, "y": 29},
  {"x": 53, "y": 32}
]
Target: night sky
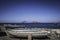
[{"x": 29, "y": 10}]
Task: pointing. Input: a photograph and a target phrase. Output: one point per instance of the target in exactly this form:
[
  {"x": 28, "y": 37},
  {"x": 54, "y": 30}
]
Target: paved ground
[
  {"x": 6, "y": 38},
  {"x": 14, "y": 38}
]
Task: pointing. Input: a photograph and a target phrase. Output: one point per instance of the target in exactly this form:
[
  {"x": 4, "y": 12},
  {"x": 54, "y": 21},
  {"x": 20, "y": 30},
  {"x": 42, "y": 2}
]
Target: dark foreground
[
  {"x": 6, "y": 38},
  {"x": 3, "y": 36}
]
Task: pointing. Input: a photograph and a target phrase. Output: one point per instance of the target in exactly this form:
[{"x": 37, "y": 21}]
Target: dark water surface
[{"x": 37, "y": 25}]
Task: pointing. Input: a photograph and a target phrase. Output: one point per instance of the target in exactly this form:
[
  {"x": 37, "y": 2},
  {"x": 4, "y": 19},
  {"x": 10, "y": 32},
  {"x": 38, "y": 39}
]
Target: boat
[{"x": 24, "y": 33}]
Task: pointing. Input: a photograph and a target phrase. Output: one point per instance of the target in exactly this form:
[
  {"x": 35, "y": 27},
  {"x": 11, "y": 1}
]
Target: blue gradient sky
[{"x": 36, "y": 10}]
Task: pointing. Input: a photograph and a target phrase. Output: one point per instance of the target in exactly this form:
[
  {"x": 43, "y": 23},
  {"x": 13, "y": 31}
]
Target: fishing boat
[{"x": 24, "y": 33}]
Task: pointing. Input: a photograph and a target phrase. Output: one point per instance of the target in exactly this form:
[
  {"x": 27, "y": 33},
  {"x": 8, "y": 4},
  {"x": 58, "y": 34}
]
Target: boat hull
[{"x": 24, "y": 33}]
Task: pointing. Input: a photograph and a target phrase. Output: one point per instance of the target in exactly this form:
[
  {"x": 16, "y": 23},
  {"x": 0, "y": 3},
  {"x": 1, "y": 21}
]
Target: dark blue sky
[{"x": 30, "y": 10}]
